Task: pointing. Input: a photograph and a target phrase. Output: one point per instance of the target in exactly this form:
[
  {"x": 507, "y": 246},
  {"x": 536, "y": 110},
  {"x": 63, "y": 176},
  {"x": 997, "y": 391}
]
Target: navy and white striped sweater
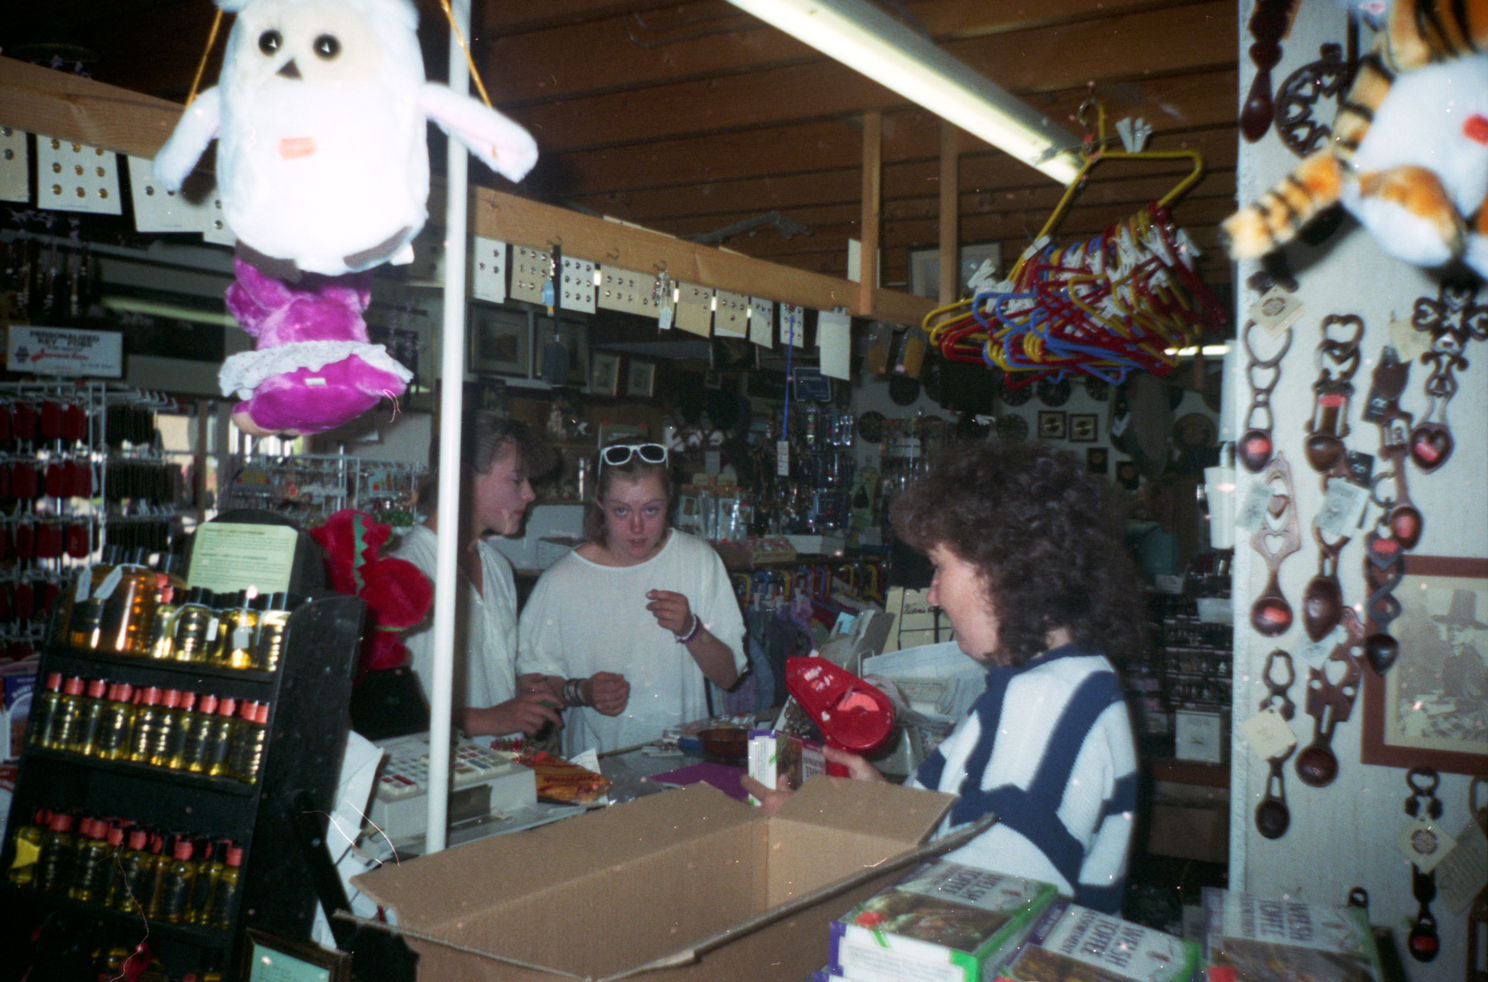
[{"x": 1048, "y": 748}]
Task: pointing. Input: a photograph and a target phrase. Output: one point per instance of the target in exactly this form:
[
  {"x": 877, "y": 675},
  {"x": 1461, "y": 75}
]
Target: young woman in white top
[
  {"x": 648, "y": 604},
  {"x": 497, "y": 457}
]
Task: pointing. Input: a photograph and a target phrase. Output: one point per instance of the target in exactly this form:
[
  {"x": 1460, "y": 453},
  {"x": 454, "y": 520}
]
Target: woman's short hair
[
  {"x": 485, "y": 439},
  {"x": 1046, "y": 538},
  {"x": 596, "y": 529}
]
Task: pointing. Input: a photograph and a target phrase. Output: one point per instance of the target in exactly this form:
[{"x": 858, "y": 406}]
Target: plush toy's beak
[{"x": 290, "y": 70}]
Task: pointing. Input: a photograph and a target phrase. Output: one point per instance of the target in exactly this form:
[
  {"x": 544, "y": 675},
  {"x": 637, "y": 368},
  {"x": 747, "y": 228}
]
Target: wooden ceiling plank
[
  {"x": 1035, "y": 61},
  {"x": 690, "y": 162}
]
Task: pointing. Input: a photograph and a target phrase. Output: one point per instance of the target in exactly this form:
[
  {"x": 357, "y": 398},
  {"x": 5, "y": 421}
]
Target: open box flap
[
  {"x": 535, "y": 860},
  {"x": 868, "y": 807}
]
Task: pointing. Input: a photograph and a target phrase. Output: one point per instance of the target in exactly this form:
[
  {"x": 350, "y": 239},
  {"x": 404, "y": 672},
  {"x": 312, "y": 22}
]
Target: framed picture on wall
[
  {"x": 1083, "y": 427},
  {"x": 1051, "y": 424},
  {"x": 1430, "y": 709},
  {"x": 567, "y": 347},
  {"x": 924, "y": 267},
  {"x": 499, "y": 342},
  {"x": 640, "y": 380},
  {"x": 604, "y": 377},
  {"x": 270, "y": 959}
]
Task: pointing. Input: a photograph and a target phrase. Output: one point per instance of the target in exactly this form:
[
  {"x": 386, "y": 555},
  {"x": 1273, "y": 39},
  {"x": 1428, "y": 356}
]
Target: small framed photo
[
  {"x": 640, "y": 380},
  {"x": 1083, "y": 427},
  {"x": 604, "y": 373},
  {"x": 270, "y": 959},
  {"x": 499, "y": 342},
  {"x": 1051, "y": 424},
  {"x": 1098, "y": 460},
  {"x": 561, "y": 354}
]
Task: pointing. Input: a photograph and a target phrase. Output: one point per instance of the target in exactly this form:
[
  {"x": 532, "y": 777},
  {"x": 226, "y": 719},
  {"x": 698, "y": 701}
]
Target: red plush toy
[{"x": 397, "y": 593}]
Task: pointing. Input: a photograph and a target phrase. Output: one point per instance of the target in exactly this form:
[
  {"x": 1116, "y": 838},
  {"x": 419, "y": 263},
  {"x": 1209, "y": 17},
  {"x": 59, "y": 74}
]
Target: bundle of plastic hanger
[{"x": 1126, "y": 299}]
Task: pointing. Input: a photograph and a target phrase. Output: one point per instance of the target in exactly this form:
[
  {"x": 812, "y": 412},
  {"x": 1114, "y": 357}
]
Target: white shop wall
[{"x": 1343, "y": 836}]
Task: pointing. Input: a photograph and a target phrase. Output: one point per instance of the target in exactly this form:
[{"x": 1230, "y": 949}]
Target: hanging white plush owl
[{"x": 320, "y": 115}]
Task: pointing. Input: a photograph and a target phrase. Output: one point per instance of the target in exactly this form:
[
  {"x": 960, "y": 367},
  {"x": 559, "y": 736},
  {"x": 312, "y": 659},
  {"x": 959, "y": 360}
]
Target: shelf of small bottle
[
  {"x": 81, "y": 661},
  {"x": 198, "y": 935},
  {"x": 164, "y": 775}
]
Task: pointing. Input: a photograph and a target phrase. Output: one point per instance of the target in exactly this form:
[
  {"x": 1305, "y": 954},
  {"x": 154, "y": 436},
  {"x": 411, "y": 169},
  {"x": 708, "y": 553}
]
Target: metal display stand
[{"x": 308, "y": 698}]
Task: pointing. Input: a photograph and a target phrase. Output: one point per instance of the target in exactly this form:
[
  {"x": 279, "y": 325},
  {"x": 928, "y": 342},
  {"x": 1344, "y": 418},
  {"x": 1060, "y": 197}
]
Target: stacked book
[
  {"x": 1261, "y": 939},
  {"x": 1071, "y": 943}
]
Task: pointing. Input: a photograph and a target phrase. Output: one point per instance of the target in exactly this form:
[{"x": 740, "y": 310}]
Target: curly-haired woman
[{"x": 1031, "y": 570}]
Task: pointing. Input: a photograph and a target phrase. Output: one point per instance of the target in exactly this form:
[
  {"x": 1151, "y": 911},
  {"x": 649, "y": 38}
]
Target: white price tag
[
  {"x": 1268, "y": 734},
  {"x": 1253, "y": 512},
  {"x": 1276, "y": 310},
  {"x": 664, "y": 317},
  {"x": 782, "y": 458},
  {"x": 1423, "y": 843},
  {"x": 1463, "y": 871},
  {"x": 212, "y": 629},
  {"x": 1343, "y": 509}
]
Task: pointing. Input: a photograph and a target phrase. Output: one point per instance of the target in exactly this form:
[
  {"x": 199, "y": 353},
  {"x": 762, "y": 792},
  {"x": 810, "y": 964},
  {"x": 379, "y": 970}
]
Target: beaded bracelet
[{"x": 692, "y": 632}]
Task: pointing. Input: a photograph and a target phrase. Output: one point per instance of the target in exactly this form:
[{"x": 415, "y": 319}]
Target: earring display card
[
  {"x": 76, "y": 177},
  {"x": 793, "y": 325},
  {"x": 626, "y": 291},
  {"x": 695, "y": 309},
  {"x": 488, "y": 270},
  {"x": 762, "y": 322},
  {"x": 15, "y": 164},
  {"x": 731, "y": 315},
  {"x": 159, "y": 210},
  {"x": 531, "y": 269},
  {"x": 578, "y": 285}
]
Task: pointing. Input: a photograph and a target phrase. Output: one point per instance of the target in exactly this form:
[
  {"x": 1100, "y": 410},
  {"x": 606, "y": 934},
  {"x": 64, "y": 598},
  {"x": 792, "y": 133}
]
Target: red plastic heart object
[{"x": 852, "y": 714}]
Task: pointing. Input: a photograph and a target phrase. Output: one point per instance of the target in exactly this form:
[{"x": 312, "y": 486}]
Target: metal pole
[{"x": 451, "y": 407}]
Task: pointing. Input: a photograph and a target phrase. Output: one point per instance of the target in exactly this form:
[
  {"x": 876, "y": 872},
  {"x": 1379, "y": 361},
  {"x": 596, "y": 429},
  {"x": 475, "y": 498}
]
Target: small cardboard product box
[
  {"x": 1270, "y": 939},
  {"x": 774, "y": 754},
  {"x": 945, "y": 922},
  {"x": 1071, "y": 942},
  {"x": 684, "y": 886}
]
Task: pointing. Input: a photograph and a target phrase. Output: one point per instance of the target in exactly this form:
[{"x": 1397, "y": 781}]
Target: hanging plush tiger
[{"x": 1409, "y": 155}]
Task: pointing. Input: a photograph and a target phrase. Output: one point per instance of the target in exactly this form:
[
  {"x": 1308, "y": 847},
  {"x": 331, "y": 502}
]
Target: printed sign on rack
[
  {"x": 834, "y": 343},
  {"x": 65, "y": 351}
]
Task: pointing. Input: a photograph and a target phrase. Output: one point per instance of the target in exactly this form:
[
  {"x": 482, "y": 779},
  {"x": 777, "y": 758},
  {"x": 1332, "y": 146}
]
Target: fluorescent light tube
[{"x": 863, "y": 37}]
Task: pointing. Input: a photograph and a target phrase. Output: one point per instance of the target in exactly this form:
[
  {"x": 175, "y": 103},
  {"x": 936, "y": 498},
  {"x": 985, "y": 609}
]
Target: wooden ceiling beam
[
  {"x": 1026, "y": 62},
  {"x": 688, "y": 167}
]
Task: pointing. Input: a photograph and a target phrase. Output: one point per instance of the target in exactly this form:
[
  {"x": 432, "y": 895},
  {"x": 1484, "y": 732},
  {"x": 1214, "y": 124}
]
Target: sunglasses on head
[{"x": 651, "y": 453}]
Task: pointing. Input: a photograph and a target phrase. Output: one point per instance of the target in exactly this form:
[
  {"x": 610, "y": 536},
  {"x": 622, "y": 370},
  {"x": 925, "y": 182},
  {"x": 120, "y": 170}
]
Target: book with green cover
[
  {"x": 1266, "y": 939},
  {"x": 943, "y": 923},
  {"x": 1071, "y": 943}
]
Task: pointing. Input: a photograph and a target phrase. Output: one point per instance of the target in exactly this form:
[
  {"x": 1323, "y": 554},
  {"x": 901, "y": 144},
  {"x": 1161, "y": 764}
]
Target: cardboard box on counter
[{"x": 684, "y": 886}]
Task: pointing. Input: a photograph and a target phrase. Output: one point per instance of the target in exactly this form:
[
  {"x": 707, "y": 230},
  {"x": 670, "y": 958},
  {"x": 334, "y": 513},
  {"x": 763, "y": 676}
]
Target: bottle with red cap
[
  {"x": 170, "y": 720},
  {"x": 44, "y": 706},
  {"x": 246, "y": 751},
  {"x": 177, "y": 879},
  {"x": 63, "y": 724},
  {"x": 225, "y": 895},
  {"x": 112, "y": 741},
  {"x": 147, "y": 717},
  {"x": 219, "y": 738},
  {"x": 180, "y": 727},
  {"x": 58, "y": 856},
  {"x": 89, "y": 717},
  {"x": 90, "y": 876},
  {"x": 198, "y": 733},
  {"x": 129, "y": 889},
  {"x": 27, "y": 841}
]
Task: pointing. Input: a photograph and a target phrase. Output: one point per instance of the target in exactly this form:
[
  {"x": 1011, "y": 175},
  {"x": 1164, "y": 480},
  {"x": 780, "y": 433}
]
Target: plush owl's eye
[
  {"x": 270, "y": 42},
  {"x": 327, "y": 46}
]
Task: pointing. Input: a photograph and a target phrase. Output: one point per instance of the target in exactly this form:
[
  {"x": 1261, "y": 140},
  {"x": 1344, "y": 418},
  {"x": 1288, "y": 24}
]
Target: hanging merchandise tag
[
  {"x": 547, "y": 295},
  {"x": 1276, "y": 311},
  {"x": 664, "y": 318},
  {"x": 1257, "y": 502},
  {"x": 1315, "y": 653},
  {"x": 782, "y": 458},
  {"x": 109, "y": 584},
  {"x": 1463, "y": 871},
  {"x": 1343, "y": 509},
  {"x": 1424, "y": 843},
  {"x": 1409, "y": 343},
  {"x": 84, "y": 582},
  {"x": 1268, "y": 734}
]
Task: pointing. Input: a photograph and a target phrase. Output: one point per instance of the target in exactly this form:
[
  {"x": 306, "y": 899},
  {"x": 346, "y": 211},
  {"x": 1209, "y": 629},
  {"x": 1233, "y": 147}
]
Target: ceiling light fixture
[{"x": 863, "y": 37}]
